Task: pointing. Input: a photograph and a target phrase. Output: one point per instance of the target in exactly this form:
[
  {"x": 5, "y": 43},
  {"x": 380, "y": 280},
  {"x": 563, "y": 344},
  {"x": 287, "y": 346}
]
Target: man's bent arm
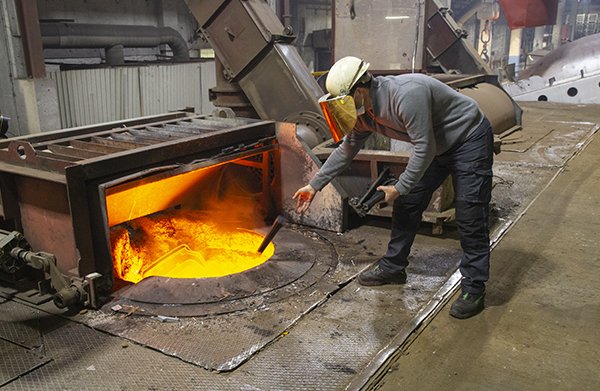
[{"x": 339, "y": 159}]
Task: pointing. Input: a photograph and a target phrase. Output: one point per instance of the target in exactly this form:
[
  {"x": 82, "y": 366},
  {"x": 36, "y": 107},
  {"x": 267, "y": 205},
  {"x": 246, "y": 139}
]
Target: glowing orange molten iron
[
  {"x": 181, "y": 247},
  {"x": 181, "y": 243}
]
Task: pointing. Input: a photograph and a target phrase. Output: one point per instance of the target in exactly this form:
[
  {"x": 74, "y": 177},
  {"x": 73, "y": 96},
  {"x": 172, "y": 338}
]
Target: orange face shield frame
[{"x": 340, "y": 114}]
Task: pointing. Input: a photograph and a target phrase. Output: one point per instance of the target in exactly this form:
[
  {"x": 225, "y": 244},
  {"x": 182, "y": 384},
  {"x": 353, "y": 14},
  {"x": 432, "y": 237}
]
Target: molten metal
[{"x": 179, "y": 244}]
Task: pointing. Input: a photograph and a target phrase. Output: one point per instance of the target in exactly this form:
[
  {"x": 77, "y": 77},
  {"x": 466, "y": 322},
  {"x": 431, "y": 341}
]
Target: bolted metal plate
[{"x": 227, "y": 306}]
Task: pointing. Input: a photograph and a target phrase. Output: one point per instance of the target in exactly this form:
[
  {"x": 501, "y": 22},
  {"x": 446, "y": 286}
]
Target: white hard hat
[{"x": 344, "y": 74}]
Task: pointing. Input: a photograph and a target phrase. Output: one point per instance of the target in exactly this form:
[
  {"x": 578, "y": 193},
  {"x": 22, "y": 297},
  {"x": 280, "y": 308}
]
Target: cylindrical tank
[{"x": 496, "y": 104}]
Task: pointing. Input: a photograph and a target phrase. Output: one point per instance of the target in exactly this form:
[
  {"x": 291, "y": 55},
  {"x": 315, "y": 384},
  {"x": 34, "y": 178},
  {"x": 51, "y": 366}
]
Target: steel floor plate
[
  {"x": 324, "y": 349},
  {"x": 26, "y": 325},
  {"x": 85, "y": 359},
  {"x": 17, "y": 361},
  {"x": 220, "y": 342}
]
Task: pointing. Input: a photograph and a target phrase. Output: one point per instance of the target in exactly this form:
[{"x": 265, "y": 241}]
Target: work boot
[
  {"x": 379, "y": 277},
  {"x": 467, "y": 305}
]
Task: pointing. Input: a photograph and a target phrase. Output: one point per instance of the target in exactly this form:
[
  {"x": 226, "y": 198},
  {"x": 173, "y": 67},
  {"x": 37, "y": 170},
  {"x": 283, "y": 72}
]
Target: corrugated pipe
[{"x": 113, "y": 38}]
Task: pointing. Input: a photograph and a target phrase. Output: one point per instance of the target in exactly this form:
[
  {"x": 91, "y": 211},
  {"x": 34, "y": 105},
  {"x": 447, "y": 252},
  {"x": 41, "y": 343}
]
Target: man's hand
[
  {"x": 390, "y": 193},
  {"x": 304, "y": 196}
]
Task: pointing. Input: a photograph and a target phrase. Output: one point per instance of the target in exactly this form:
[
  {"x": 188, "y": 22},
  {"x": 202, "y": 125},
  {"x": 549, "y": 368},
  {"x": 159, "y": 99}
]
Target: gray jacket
[{"x": 412, "y": 107}]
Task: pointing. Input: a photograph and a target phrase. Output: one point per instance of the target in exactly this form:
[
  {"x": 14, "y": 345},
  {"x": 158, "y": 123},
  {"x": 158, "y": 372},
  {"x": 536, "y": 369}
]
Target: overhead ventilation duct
[{"x": 112, "y": 38}]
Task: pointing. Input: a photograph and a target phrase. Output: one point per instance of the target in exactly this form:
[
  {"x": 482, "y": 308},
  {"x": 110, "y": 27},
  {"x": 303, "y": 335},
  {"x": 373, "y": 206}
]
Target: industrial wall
[
  {"x": 79, "y": 88},
  {"x": 17, "y": 95},
  {"x": 90, "y": 96}
]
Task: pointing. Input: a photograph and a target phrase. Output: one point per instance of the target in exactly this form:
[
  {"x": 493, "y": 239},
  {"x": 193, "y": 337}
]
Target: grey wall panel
[
  {"x": 165, "y": 88},
  {"x": 92, "y": 96},
  {"x": 208, "y": 79},
  {"x": 383, "y": 32}
]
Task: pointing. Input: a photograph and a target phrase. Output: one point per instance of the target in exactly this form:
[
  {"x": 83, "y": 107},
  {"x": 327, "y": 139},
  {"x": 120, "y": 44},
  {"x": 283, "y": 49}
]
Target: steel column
[{"x": 29, "y": 26}]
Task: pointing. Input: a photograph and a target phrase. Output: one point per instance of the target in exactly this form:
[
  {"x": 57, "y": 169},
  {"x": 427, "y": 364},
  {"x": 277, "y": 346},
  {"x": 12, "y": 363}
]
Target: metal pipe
[{"x": 75, "y": 35}]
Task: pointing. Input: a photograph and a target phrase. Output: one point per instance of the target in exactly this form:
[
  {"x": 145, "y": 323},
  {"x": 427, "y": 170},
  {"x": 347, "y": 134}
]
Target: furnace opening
[{"x": 188, "y": 222}]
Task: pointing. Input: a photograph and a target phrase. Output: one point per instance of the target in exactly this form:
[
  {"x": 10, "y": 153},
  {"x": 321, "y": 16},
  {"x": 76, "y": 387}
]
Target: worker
[{"x": 451, "y": 136}]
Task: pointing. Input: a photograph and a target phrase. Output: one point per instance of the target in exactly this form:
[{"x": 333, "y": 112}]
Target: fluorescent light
[{"x": 396, "y": 17}]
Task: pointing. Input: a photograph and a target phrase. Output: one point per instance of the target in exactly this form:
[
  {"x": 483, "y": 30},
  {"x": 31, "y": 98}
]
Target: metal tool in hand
[
  {"x": 277, "y": 225},
  {"x": 373, "y": 196}
]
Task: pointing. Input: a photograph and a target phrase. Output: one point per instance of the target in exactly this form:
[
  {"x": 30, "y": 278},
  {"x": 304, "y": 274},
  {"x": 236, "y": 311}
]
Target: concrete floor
[
  {"x": 540, "y": 328},
  {"x": 538, "y": 331}
]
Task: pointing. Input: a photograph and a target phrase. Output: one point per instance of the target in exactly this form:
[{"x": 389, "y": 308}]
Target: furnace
[{"x": 167, "y": 213}]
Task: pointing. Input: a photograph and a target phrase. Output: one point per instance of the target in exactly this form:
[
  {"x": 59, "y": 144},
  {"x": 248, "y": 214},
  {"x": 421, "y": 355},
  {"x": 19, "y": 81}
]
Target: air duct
[{"x": 112, "y": 38}]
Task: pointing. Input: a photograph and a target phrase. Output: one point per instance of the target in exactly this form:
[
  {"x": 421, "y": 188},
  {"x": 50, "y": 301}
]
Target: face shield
[{"x": 340, "y": 114}]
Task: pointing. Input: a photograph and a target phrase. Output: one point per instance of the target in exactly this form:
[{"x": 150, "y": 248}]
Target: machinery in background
[
  {"x": 569, "y": 74},
  {"x": 257, "y": 64}
]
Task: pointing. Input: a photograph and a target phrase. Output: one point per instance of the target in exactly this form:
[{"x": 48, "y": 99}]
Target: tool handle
[
  {"x": 277, "y": 225},
  {"x": 377, "y": 198}
]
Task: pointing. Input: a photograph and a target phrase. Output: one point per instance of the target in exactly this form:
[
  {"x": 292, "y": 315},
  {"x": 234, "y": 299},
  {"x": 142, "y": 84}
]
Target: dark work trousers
[{"x": 470, "y": 165}]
